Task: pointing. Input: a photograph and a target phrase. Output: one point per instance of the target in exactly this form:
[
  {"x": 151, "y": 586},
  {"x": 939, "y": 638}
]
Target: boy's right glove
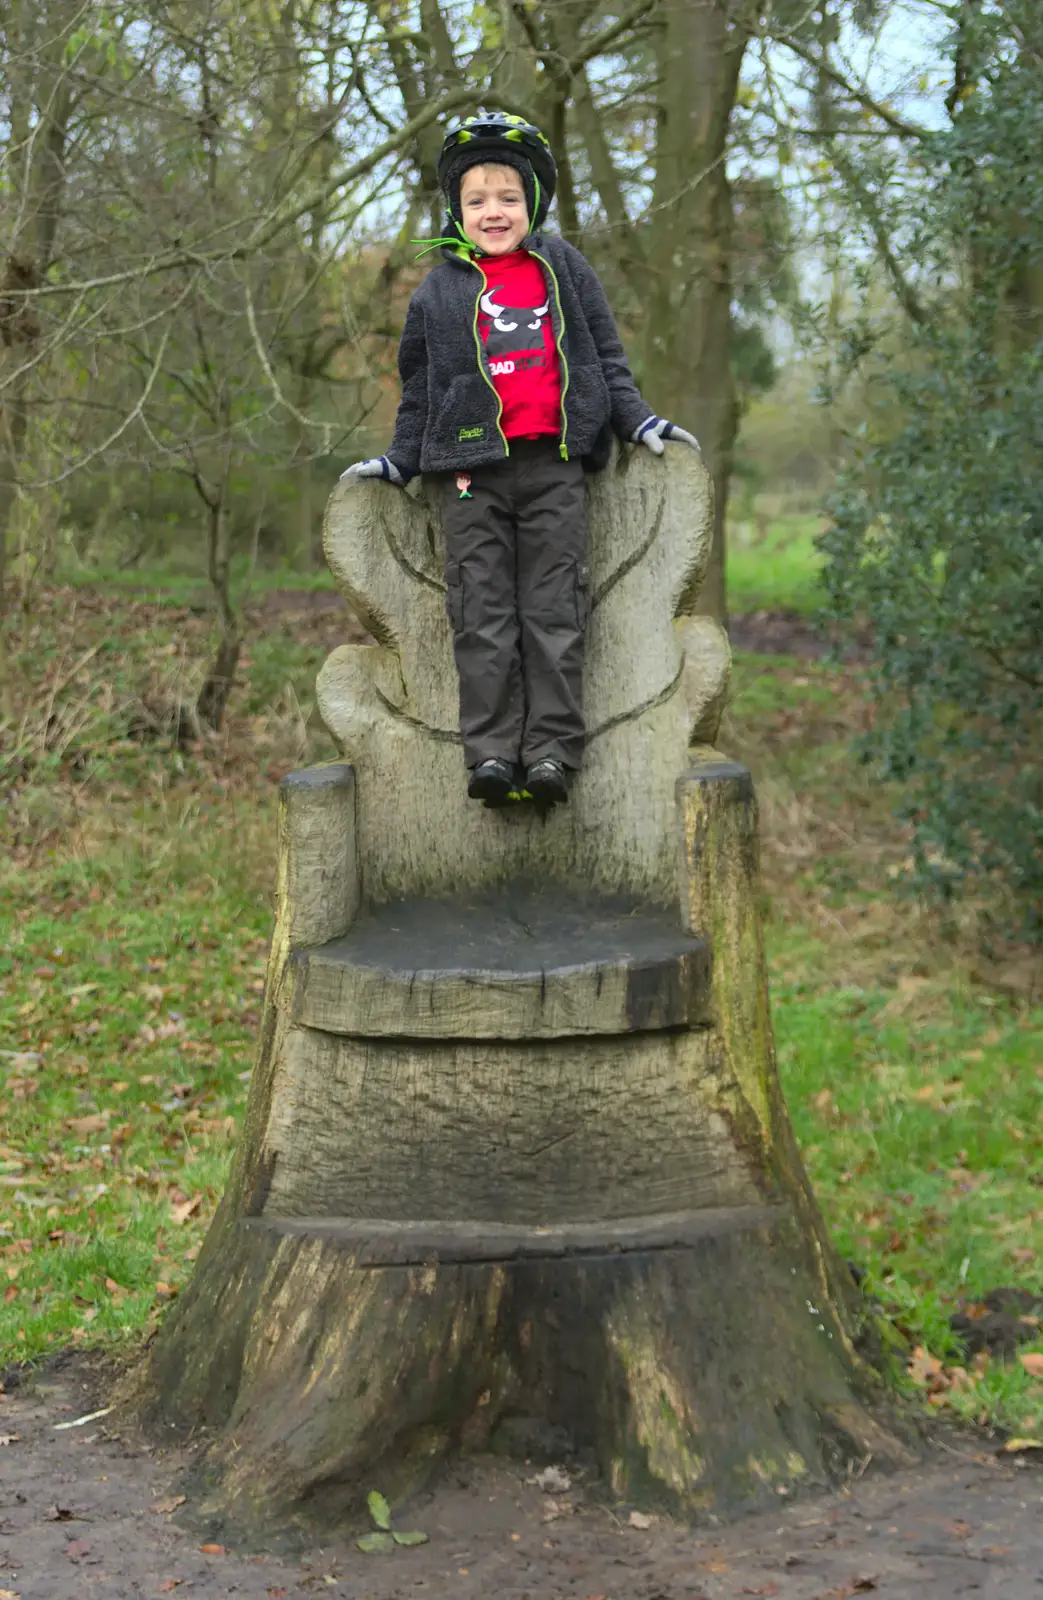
[
  {"x": 654, "y": 430},
  {"x": 377, "y": 467}
]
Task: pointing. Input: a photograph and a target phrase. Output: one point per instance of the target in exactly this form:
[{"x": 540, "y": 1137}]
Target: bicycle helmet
[{"x": 495, "y": 136}]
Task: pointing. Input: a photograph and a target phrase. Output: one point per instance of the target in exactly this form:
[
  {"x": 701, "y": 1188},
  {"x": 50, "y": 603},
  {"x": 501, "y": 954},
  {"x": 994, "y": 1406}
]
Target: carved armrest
[{"x": 317, "y": 891}]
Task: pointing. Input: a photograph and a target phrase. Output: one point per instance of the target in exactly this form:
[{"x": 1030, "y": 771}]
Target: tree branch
[
  {"x": 564, "y": 68},
  {"x": 277, "y": 223},
  {"x": 897, "y": 124}
]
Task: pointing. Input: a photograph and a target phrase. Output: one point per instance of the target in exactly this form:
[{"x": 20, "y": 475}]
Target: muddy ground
[{"x": 90, "y": 1511}]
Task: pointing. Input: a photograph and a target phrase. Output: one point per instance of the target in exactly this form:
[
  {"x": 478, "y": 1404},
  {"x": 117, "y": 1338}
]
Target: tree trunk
[
  {"x": 220, "y": 678},
  {"x": 516, "y": 1171},
  {"x": 39, "y": 85},
  {"x": 687, "y": 367}
]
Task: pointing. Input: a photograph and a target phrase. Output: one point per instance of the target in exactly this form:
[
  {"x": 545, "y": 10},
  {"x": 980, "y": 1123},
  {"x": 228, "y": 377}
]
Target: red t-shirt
[{"x": 515, "y": 328}]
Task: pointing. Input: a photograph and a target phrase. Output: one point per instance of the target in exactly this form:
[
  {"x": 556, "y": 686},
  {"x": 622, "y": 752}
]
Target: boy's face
[{"x": 492, "y": 203}]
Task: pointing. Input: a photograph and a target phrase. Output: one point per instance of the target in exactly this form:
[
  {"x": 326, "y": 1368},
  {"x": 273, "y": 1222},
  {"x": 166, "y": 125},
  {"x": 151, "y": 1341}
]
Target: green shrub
[{"x": 936, "y": 546}]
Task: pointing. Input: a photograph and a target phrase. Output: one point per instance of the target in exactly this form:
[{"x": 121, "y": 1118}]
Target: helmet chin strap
[{"x": 459, "y": 239}]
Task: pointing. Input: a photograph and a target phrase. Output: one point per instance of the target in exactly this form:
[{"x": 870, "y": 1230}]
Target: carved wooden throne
[{"x": 515, "y": 1163}]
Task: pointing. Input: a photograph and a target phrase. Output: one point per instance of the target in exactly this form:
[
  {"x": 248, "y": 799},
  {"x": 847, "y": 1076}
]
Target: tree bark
[{"x": 687, "y": 365}]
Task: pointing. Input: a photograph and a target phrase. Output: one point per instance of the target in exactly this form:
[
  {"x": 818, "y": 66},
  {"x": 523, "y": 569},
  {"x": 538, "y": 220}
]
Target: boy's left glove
[
  {"x": 377, "y": 467},
  {"x": 654, "y": 430}
]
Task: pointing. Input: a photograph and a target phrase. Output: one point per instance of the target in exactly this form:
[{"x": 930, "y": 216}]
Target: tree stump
[{"x": 516, "y": 1170}]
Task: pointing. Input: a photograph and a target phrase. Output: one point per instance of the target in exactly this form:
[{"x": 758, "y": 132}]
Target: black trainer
[
  {"x": 547, "y": 783},
  {"x": 491, "y": 780}
]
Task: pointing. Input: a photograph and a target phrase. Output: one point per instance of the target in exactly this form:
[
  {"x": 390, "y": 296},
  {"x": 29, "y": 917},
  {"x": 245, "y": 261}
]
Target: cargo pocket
[{"x": 454, "y": 596}]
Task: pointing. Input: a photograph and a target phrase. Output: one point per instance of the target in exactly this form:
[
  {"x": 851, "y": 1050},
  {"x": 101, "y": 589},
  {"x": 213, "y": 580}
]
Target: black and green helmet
[{"x": 509, "y": 141}]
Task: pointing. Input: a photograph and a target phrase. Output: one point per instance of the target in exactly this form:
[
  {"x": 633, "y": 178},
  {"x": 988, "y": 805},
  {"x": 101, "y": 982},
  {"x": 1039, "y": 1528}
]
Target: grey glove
[
  {"x": 654, "y": 430},
  {"x": 376, "y": 467}
]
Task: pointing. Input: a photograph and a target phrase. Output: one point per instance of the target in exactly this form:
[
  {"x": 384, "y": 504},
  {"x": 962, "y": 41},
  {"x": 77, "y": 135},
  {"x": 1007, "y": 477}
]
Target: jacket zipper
[
  {"x": 481, "y": 363},
  {"x": 563, "y": 447}
]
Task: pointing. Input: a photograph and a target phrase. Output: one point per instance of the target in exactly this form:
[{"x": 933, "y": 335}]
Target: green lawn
[
  {"x": 779, "y": 572},
  {"x": 135, "y": 895}
]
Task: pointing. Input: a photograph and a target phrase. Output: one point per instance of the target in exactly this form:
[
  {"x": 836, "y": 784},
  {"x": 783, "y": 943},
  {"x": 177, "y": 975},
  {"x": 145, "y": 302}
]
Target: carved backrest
[{"x": 655, "y": 681}]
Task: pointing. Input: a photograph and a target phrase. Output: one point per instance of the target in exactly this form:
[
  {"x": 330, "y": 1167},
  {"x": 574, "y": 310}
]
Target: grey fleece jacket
[{"x": 449, "y": 416}]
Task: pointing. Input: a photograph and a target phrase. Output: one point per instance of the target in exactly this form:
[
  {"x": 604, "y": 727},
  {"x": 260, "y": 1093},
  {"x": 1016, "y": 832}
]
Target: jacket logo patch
[{"x": 471, "y": 433}]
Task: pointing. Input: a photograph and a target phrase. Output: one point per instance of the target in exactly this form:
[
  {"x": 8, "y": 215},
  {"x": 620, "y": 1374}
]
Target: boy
[{"x": 513, "y": 380}]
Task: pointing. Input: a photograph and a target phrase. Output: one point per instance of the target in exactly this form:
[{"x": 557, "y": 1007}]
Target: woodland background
[{"x": 821, "y": 227}]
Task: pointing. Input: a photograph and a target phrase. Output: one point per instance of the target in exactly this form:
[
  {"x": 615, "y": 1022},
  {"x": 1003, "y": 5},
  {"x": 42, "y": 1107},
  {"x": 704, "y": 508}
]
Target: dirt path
[{"x": 85, "y": 1512}]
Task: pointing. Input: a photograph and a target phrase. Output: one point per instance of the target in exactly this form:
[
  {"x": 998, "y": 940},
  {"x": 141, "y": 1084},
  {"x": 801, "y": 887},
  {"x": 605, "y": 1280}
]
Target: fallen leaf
[
  {"x": 9, "y": 1594},
  {"x": 637, "y": 1519},
  {"x": 552, "y": 1480},
  {"x": 76, "y": 1549},
  {"x": 1032, "y": 1361},
  {"x": 277, "y": 1594},
  {"x": 181, "y": 1213},
  {"x": 379, "y": 1510},
  {"x": 410, "y": 1537},
  {"x": 163, "y": 1508},
  {"x": 212, "y": 1549},
  {"x": 372, "y": 1544},
  {"x": 553, "y": 1509},
  {"x": 1014, "y": 1446},
  {"x": 170, "y": 1584},
  {"x": 10, "y": 1438},
  {"x": 923, "y": 1367},
  {"x": 81, "y": 1126}
]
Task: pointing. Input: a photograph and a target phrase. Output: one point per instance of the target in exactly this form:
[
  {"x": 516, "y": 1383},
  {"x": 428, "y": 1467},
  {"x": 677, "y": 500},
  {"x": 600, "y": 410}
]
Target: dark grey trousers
[{"x": 518, "y": 596}]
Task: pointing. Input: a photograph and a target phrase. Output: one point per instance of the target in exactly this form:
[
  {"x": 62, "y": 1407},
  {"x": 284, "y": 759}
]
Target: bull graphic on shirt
[{"x": 514, "y": 328}]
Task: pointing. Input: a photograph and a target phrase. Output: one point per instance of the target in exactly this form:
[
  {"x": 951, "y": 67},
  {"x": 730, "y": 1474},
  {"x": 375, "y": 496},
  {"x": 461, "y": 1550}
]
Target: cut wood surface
[
  {"x": 516, "y": 963},
  {"x": 379, "y": 1243}
]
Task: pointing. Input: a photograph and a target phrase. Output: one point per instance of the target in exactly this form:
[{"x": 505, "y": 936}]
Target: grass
[
  {"x": 910, "y": 1041},
  {"x": 774, "y": 567},
  {"x": 136, "y": 901}
]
